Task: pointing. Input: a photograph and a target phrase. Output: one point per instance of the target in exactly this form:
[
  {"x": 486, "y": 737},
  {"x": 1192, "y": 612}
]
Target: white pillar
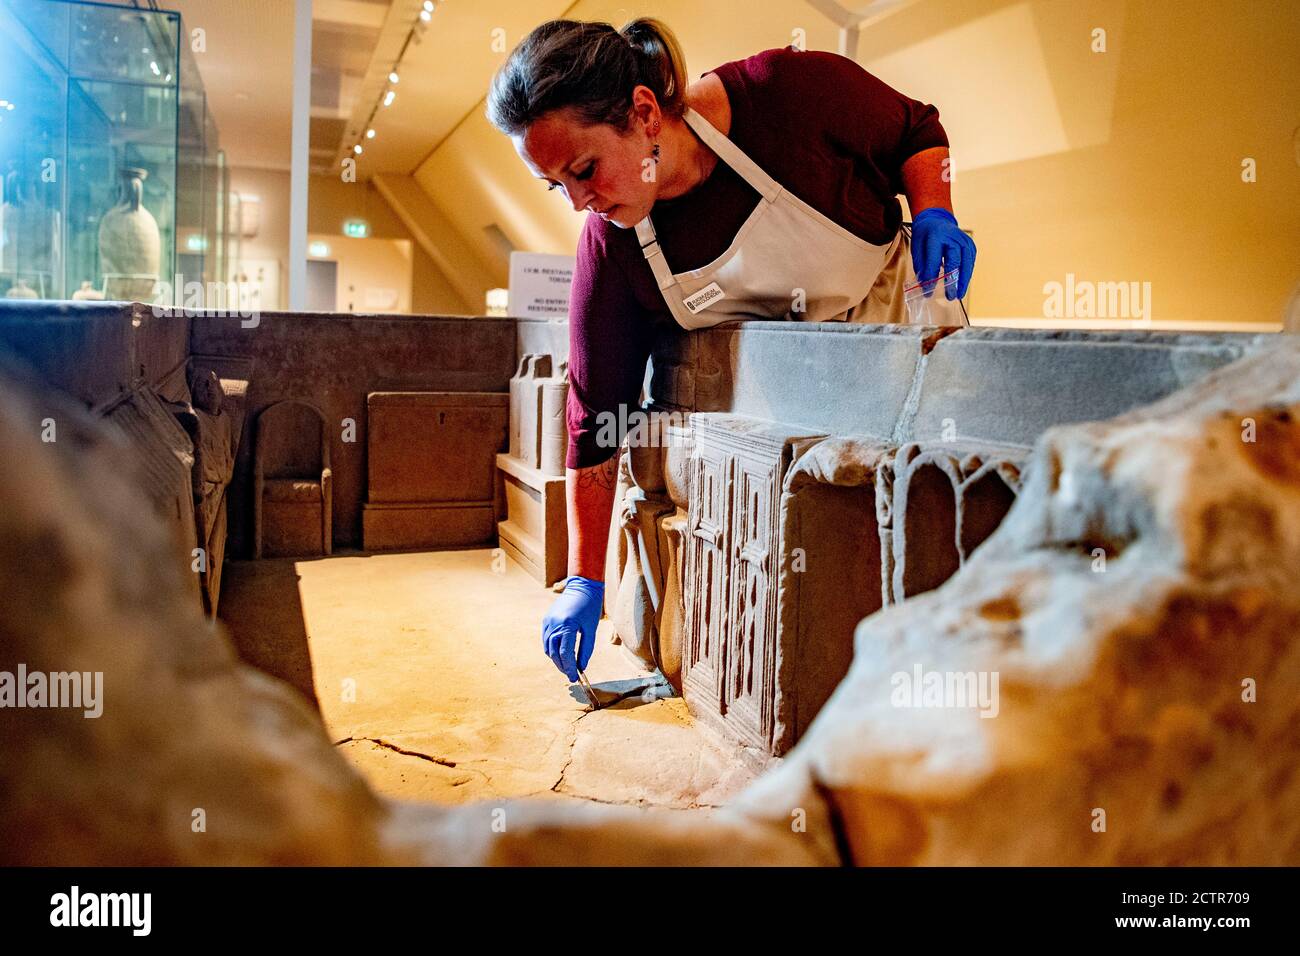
[{"x": 298, "y": 163}]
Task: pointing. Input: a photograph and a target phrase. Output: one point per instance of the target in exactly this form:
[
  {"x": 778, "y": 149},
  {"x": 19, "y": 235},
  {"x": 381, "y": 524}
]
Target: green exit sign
[{"x": 356, "y": 228}]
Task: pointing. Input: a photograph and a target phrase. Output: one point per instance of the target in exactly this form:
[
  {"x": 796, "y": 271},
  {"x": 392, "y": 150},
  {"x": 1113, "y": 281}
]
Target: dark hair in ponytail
[{"x": 588, "y": 67}]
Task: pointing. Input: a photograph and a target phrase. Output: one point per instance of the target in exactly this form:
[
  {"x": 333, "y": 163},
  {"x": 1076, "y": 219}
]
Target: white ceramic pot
[
  {"x": 129, "y": 243},
  {"x": 21, "y": 290},
  {"x": 26, "y": 236}
]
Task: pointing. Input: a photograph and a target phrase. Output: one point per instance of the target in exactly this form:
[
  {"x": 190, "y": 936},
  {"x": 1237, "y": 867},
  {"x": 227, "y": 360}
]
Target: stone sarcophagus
[
  {"x": 742, "y": 560},
  {"x": 745, "y": 553}
]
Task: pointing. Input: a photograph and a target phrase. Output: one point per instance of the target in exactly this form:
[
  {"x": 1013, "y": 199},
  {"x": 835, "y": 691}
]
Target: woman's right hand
[{"x": 569, "y": 627}]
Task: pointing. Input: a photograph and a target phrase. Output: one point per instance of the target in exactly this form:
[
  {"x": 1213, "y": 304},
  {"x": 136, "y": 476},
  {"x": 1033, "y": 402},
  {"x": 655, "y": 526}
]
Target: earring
[{"x": 655, "y": 153}]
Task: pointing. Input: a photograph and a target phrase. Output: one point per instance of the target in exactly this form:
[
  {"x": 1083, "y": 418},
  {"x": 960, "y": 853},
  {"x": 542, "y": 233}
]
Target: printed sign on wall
[{"x": 539, "y": 285}]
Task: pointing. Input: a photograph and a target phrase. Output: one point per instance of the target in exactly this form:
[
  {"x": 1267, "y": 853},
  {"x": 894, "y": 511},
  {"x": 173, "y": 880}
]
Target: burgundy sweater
[{"x": 818, "y": 124}]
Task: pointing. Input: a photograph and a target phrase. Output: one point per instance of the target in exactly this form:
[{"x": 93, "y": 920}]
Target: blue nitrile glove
[
  {"x": 575, "y": 612},
  {"x": 935, "y": 237}
]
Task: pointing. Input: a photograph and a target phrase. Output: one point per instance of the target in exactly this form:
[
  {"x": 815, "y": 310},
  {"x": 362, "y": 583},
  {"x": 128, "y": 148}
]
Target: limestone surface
[{"x": 428, "y": 674}]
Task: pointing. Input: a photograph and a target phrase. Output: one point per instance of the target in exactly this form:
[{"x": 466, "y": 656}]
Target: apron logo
[{"x": 704, "y": 298}]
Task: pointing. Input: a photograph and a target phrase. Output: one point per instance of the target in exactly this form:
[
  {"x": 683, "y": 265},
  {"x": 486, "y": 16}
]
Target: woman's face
[{"x": 599, "y": 168}]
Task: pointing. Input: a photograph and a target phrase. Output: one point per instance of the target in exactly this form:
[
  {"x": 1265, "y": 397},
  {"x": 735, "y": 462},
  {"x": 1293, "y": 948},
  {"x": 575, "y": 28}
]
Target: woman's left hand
[{"x": 936, "y": 238}]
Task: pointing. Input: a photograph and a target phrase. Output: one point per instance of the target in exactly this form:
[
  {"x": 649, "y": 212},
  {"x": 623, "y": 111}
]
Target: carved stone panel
[
  {"x": 672, "y": 615},
  {"x": 707, "y": 568},
  {"x": 749, "y": 689},
  {"x": 729, "y": 660}
]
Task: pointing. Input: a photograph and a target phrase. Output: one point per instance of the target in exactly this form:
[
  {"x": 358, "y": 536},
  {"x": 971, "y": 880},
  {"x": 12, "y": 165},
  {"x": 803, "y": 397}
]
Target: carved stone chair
[{"x": 291, "y": 482}]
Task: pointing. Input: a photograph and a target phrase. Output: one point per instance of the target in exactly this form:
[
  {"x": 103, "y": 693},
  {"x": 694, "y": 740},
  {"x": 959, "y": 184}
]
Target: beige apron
[{"x": 788, "y": 261}]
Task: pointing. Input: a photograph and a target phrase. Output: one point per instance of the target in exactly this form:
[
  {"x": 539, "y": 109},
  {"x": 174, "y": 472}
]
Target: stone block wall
[
  {"x": 334, "y": 362},
  {"x": 95, "y": 351},
  {"x": 100, "y": 352}
]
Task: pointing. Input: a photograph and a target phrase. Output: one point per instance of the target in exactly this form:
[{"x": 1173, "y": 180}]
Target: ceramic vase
[{"x": 129, "y": 243}]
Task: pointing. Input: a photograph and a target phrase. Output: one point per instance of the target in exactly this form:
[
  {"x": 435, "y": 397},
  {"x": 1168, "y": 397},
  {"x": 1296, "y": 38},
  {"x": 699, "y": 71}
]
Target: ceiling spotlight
[
  {"x": 428, "y": 6},
  {"x": 370, "y": 134},
  {"x": 389, "y": 97},
  {"x": 393, "y": 77},
  {"x": 425, "y": 15},
  {"x": 357, "y": 149}
]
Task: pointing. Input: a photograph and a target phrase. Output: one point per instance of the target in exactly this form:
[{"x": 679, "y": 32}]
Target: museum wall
[
  {"x": 271, "y": 187},
  {"x": 330, "y": 202},
  {"x": 373, "y": 275}
]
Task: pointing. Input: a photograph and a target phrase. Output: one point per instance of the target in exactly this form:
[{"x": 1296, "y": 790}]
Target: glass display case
[{"x": 112, "y": 184}]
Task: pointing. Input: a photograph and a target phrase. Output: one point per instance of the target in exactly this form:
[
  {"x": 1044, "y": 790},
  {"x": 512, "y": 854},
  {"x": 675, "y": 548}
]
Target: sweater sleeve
[
  {"x": 609, "y": 343},
  {"x": 858, "y": 112}
]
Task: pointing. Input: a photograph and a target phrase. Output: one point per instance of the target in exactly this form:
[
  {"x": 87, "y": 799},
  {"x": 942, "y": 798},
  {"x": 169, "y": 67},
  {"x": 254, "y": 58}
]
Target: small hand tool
[{"x": 590, "y": 692}]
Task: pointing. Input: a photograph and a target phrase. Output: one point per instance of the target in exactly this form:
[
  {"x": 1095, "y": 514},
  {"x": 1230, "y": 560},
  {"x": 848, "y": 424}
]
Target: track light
[{"x": 390, "y": 94}]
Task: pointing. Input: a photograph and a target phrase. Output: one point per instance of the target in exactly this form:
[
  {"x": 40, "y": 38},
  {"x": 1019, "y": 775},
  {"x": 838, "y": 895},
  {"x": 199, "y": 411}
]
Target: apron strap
[
  {"x": 733, "y": 156},
  {"x": 645, "y": 234}
]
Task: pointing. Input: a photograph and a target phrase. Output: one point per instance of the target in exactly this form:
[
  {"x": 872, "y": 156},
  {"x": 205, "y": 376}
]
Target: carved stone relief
[
  {"x": 940, "y": 502},
  {"x": 732, "y": 553}
]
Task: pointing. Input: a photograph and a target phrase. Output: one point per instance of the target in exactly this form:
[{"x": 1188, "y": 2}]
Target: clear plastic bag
[{"x": 927, "y": 303}]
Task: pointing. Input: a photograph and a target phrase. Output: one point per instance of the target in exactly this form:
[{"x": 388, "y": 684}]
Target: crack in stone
[
  {"x": 573, "y": 742},
  {"x": 441, "y": 761},
  {"x": 640, "y": 802}
]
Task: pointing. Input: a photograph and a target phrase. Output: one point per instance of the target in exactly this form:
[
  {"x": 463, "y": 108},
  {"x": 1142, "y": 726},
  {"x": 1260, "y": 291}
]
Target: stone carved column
[
  {"x": 670, "y": 622},
  {"x": 672, "y": 612},
  {"x": 616, "y": 545},
  {"x": 636, "y": 607}
]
